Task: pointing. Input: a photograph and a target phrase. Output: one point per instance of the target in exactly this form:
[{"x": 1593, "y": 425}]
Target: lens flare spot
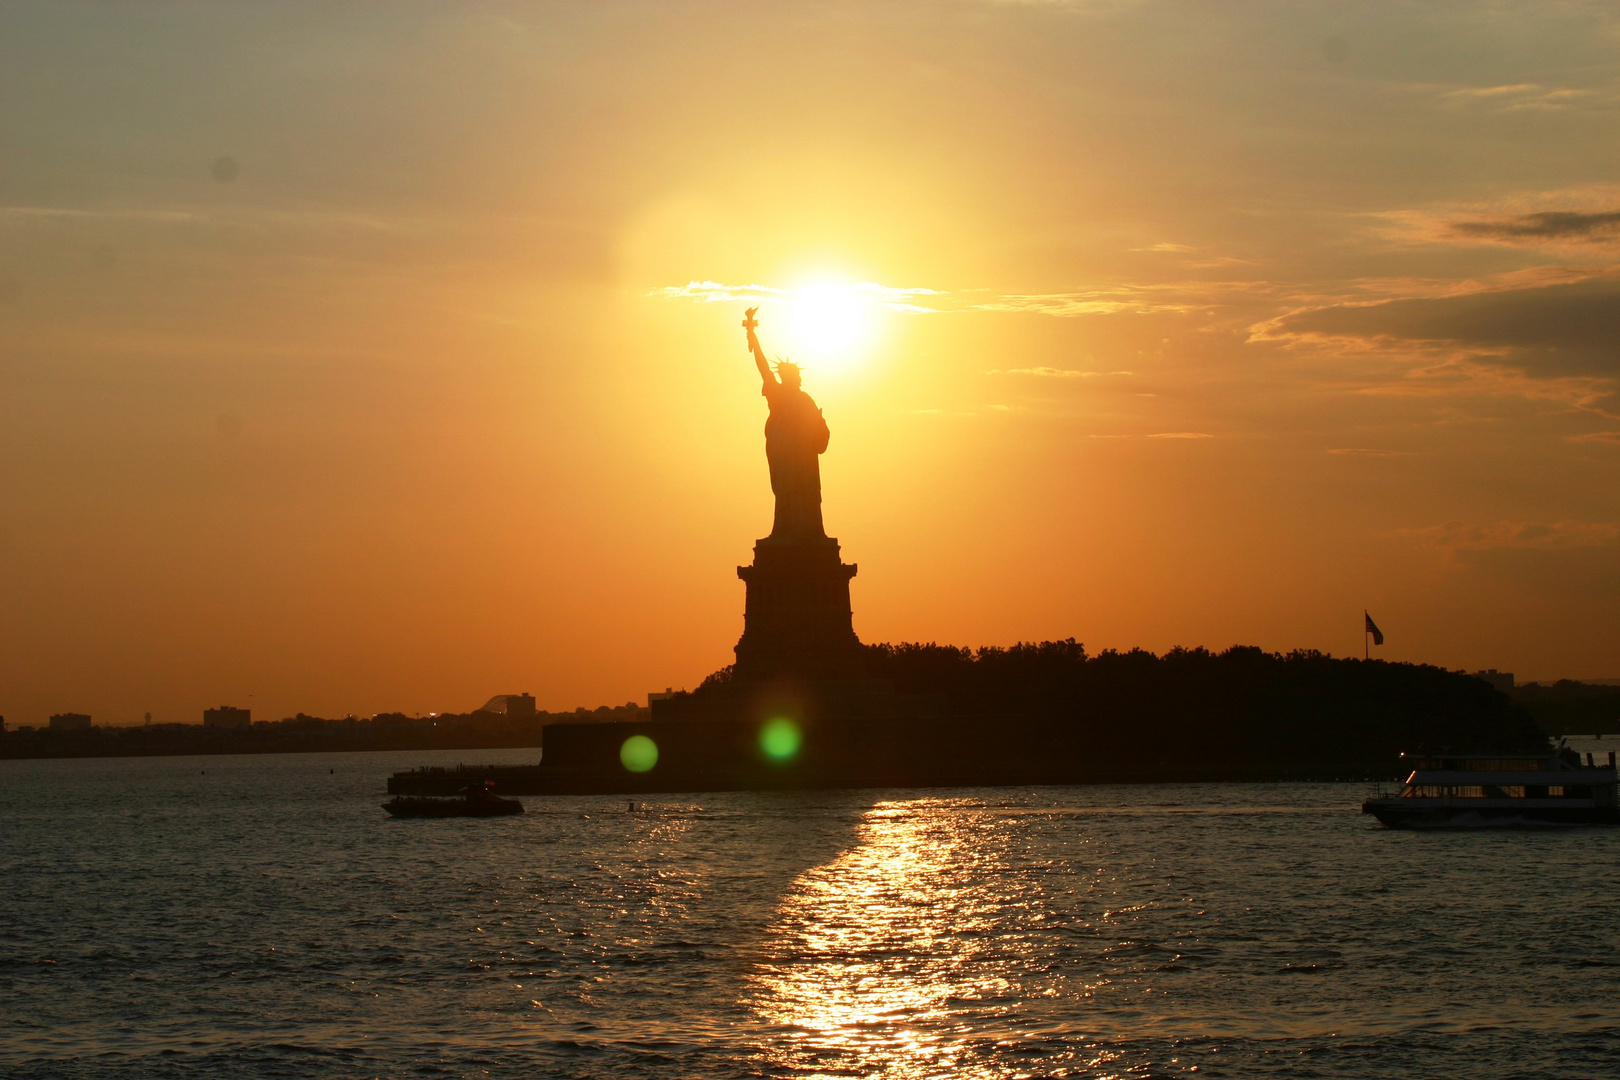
[
  {"x": 639, "y": 753},
  {"x": 780, "y": 739}
]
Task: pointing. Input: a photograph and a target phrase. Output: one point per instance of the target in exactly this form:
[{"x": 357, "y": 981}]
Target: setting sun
[{"x": 828, "y": 327}]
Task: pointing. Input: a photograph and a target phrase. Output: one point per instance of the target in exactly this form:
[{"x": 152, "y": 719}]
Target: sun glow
[{"x": 828, "y": 327}]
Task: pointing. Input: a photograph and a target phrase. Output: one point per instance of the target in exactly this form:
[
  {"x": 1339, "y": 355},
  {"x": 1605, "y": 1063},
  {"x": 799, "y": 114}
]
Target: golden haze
[{"x": 386, "y": 357}]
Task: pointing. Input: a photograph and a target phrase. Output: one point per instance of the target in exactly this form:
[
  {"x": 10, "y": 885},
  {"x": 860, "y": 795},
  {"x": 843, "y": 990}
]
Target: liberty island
[{"x": 807, "y": 705}]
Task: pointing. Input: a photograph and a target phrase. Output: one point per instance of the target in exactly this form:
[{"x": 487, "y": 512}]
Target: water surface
[{"x": 261, "y": 916}]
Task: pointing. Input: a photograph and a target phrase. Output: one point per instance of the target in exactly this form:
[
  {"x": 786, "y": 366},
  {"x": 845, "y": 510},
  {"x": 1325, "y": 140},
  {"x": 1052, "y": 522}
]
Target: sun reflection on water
[{"x": 873, "y": 956}]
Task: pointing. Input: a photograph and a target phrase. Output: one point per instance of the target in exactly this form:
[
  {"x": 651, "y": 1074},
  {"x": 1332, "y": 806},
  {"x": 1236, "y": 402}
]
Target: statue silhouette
[
  {"x": 797, "y": 623},
  {"x": 795, "y": 437}
]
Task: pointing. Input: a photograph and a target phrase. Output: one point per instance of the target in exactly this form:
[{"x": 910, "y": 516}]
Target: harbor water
[{"x": 263, "y": 917}]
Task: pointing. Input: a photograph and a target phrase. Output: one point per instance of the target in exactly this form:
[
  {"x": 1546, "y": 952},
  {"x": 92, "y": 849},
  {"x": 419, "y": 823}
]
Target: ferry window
[
  {"x": 1554, "y": 791},
  {"x": 1468, "y": 791}
]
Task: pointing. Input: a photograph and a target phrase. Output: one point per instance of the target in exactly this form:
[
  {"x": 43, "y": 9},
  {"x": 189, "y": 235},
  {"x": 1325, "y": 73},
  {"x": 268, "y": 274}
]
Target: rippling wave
[{"x": 255, "y": 917}]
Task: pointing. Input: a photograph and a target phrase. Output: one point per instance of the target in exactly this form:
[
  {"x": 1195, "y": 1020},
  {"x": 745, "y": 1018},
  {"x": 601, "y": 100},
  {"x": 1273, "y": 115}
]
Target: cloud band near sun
[
  {"x": 890, "y": 297},
  {"x": 1120, "y": 299}
]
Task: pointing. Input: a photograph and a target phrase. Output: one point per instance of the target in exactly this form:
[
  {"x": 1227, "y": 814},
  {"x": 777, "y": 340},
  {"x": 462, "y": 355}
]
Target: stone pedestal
[{"x": 797, "y": 622}]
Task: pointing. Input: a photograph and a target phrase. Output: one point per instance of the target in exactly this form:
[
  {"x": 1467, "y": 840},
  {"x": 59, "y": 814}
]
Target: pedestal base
[
  {"x": 797, "y": 622},
  {"x": 807, "y": 702}
]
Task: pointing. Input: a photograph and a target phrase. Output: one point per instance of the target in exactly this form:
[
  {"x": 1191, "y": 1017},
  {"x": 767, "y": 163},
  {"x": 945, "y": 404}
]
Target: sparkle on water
[
  {"x": 859, "y": 964},
  {"x": 639, "y": 753},
  {"x": 266, "y": 918},
  {"x": 780, "y": 739}
]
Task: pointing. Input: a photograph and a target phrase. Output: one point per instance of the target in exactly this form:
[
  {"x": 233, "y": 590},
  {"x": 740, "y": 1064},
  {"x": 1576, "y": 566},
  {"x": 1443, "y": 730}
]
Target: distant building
[
  {"x": 510, "y": 705},
  {"x": 70, "y": 721},
  {"x": 1502, "y": 680},
  {"x": 669, "y": 692},
  {"x": 229, "y": 717}
]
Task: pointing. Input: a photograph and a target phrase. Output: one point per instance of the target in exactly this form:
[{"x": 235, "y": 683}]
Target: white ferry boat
[{"x": 1462, "y": 790}]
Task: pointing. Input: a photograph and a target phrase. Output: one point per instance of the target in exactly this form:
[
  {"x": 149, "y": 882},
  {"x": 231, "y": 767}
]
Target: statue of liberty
[{"x": 795, "y": 436}]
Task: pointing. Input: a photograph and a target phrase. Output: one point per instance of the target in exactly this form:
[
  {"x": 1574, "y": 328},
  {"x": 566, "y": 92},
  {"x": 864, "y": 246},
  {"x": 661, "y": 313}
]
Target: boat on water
[
  {"x": 448, "y": 780},
  {"x": 1473, "y": 790},
  {"x": 475, "y": 801}
]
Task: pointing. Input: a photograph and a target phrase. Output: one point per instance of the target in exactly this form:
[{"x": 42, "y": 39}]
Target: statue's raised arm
[
  {"x": 749, "y": 323},
  {"x": 795, "y": 434}
]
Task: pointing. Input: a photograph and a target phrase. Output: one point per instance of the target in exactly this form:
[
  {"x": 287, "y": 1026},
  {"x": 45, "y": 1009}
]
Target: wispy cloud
[
  {"x": 1459, "y": 536},
  {"x": 1583, "y": 216},
  {"x": 1056, "y": 373},
  {"x": 1363, "y": 451},
  {"x": 885, "y": 296},
  {"x": 1169, "y": 296},
  {"x": 241, "y": 216},
  {"x": 1565, "y": 225},
  {"x": 1553, "y": 330},
  {"x": 1540, "y": 334},
  {"x": 47, "y": 213},
  {"x": 1506, "y": 90},
  {"x": 1100, "y": 302},
  {"x": 1180, "y": 296},
  {"x": 1514, "y": 97},
  {"x": 1059, "y": 304},
  {"x": 1182, "y": 435},
  {"x": 1409, "y": 288}
]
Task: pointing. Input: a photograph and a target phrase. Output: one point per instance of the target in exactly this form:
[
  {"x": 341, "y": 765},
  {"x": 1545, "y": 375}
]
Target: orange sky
[{"x": 1186, "y": 324}]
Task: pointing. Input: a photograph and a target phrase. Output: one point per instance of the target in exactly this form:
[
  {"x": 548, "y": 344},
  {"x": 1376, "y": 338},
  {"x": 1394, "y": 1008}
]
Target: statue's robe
[{"x": 795, "y": 436}]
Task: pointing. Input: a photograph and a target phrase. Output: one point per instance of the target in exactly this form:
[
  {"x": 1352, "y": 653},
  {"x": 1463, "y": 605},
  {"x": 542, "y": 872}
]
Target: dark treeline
[
  {"x": 1241, "y": 701},
  {"x": 1303, "y": 705},
  {"x": 1050, "y": 710},
  {"x": 1567, "y": 707},
  {"x": 476, "y": 730}
]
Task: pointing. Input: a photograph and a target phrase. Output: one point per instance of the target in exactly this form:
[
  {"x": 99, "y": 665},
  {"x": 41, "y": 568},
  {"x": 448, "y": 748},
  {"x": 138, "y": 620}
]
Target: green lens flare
[
  {"x": 639, "y": 753},
  {"x": 779, "y": 739}
]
